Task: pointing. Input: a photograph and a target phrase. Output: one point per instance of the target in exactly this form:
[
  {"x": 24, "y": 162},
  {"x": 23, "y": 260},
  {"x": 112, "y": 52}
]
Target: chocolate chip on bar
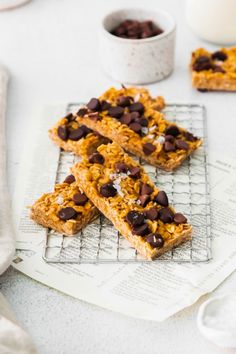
[
  {"x": 96, "y": 158},
  {"x": 169, "y": 147},
  {"x": 155, "y": 240},
  {"x": 172, "y": 130},
  {"x": 180, "y": 218},
  {"x": 148, "y": 148},
  {"x": 82, "y": 111},
  {"x": 94, "y": 104},
  {"x": 67, "y": 213},
  {"x": 63, "y": 132},
  {"x": 144, "y": 199},
  {"x": 135, "y": 172},
  {"x": 80, "y": 198},
  {"x": 76, "y": 134},
  {"x": 136, "y": 107},
  {"x": 181, "y": 144},
  {"x": 221, "y": 56},
  {"x": 166, "y": 215},
  {"x": 69, "y": 179},
  {"x": 145, "y": 189},
  {"x": 152, "y": 213},
  {"x": 105, "y": 105},
  {"x": 135, "y": 218},
  {"x": 141, "y": 230},
  {"x": 116, "y": 112},
  {"x": 161, "y": 198},
  {"x": 136, "y": 127},
  {"x": 121, "y": 167},
  {"x": 124, "y": 101},
  {"x": 108, "y": 190}
]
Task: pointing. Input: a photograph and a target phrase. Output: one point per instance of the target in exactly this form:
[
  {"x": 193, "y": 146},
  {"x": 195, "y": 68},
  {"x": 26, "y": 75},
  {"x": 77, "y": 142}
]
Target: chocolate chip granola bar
[
  {"x": 132, "y": 118},
  {"x": 214, "y": 71},
  {"x": 66, "y": 210},
  {"x": 123, "y": 192},
  {"x": 74, "y": 137}
]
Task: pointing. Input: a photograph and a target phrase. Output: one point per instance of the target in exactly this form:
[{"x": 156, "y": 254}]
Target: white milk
[{"x": 213, "y": 20}]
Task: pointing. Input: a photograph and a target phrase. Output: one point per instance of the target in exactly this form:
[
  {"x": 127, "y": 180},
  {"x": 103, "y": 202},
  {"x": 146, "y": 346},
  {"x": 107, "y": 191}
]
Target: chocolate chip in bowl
[{"x": 137, "y": 45}]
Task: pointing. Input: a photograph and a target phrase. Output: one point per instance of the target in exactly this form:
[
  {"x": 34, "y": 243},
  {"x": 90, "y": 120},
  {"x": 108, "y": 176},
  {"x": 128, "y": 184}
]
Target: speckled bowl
[{"x": 138, "y": 61}]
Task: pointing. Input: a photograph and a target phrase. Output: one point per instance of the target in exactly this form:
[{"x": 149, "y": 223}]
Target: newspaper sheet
[{"x": 152, "y": 291}]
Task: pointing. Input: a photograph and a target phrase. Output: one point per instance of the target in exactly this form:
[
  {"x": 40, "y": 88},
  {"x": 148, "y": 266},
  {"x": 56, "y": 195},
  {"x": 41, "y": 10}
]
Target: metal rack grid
[{"x": 188, "y": 192}]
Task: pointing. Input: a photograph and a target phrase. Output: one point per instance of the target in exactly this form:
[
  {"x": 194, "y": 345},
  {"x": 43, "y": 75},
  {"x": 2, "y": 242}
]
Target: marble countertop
[{"x": 51, "y": 51}]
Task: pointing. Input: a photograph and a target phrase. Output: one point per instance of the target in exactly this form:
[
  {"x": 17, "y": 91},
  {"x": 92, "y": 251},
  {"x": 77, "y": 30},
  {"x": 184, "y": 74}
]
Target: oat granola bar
[
  {"x": 214, "y": 71},
  {"x": 71, "y": 136},
  {"x": 66, "y": 210},
  {"x": 123, "y": 192},
  {"x": 132, "y": 118}
]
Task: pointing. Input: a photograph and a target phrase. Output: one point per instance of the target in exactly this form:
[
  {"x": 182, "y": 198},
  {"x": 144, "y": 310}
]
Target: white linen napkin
[{"x": 13, "y": 340}]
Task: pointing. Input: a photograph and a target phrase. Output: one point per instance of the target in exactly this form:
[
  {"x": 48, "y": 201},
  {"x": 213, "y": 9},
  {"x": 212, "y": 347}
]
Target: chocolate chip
[
  {"x": 202, "y": 63},
  {"x": 121, "y": 167},
  {"x": 82, "y": 111},
  {"x": 218, "y": 69},
  {"x": 169, "y": 138},
  {"x": 96, "y": 158},
  {"x": 144, "y": 199},
  {"x": 141, "y": 230},
  {"x": 135, "y": 172},
  {"x": 135, "y": 218},
  {"x": 136, "y": 127},
  {"x": 123, "y": 101},
  {"x": 166, "y": 215},
  {"x": 69, "y": 179},
  {"x": 202, "y": 90},
  {"x": 151, "y": 214},
  {"x": 116, "y": 112},
  {"x": 108, "y": 190},
  {"x": 155, "y": 240},
  {"x": 189, "y": 136},
  {"x": 148, "y": 148},
  {"x": 146, "y": 189},
  {"x": 181, "y": 144},
  {"x": 62, "y": 132},
  {"x": 105, "y": 105},
  {"x": 168, "y": 147},
  {"x": 126, "y": 119},
  {"x": 80, "y": 199},
  {"x": 76, "y": 134},
  {"x": 136, "y": 107},
  {"x": 180, "y": 219},
  {"x": 67, "y": 213},
  {"x": 94, "y": 104},
  {"x": 143, "y": 122},
  {"x": 221, "y": 56},
  {"x": 172, "y": 130},
  {"x": 162, "y": 199},
  {"x": 133, "y": 29},
  {"x": 70, "y": 117},
  {"x": 86, "y": 129}
]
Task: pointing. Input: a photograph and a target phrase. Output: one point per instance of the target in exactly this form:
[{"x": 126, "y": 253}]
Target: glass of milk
[{"x": 213, "y": 20}]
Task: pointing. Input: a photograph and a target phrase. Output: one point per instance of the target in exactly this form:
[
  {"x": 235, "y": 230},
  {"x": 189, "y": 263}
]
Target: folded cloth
[{"x": 12, "y": 338}]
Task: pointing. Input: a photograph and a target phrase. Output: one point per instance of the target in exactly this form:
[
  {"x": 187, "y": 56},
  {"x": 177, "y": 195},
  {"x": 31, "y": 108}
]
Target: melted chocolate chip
[
  {"x": 116, "y": 112},
  {"x": 135, "y": 218},
  {"x": 172, "y": 130},
  {"x": 123, "y": 101},
  {"x": 94, "y": 104},
  {"x": 169, "y": 147},
  {"x": 155, "y": 240},
  {"x": 137, "y": 107},
  {"x": 146, "y": 189},
  {"x": 162, "y": 199},
  {"x": 135, "y": 172},
  {"x": 80, "y": 199},
  {"x": 108, "y": 190},
  {"x": 121, "y": 167},
  {"x": 62, "y": 132},
  {"x": 180, "y": 219},
  {"x": 166, "y": 215},
  {"x": 190, "y": 136},
  {"x": 126, "y": 119},
  {"x": 148, "y": 148},
  {"x": 144, "y": 199},
  {"x": 169, "y": 138},
  {"x": 69, "y": 179},
  {"x": 221, "y": 56},
  {"x": 70, "y": 117},
  {"x": 67, "y": 213},
  {"x": 141, "y": 230},
  {"x": 136, "y": 127},
  {"x": 105, "y": 105},
  {"x": 181, "y": 144},
  {"x": 77, "y": 134},
  {"x": 82, "y": 111},
  {"x": 96, "y": 158},
  {"x": 151, "y": 214}
]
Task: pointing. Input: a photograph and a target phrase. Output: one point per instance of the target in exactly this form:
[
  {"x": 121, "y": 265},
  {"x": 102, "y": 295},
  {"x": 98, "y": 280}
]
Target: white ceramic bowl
[
  {"x": 216, "y": 320},
  {"x": 138, "y": 61}
]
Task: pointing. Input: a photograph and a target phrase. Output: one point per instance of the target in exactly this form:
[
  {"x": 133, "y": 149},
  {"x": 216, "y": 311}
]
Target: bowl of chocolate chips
[{"x": 137, "y": 45}]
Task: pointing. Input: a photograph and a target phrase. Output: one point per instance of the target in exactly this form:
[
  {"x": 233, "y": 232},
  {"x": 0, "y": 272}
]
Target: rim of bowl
[{"x": 141, "y": 40}]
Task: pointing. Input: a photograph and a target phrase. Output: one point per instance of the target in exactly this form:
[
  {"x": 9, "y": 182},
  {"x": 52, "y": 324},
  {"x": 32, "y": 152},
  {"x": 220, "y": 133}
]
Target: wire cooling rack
[{"x": 188, "y": 192}]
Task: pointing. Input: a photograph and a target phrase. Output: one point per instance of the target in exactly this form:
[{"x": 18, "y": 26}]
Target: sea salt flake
[
  {"x": 144, "y": 130},
  {"x": 137, "y": 97},
  {"x": 60, "y": 200},
  {"x": 151, "y": 129},
  {"x": 160, "y": 139}
]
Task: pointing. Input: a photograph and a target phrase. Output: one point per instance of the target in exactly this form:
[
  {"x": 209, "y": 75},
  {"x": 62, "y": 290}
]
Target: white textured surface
[{"x": 51, "y": 49}]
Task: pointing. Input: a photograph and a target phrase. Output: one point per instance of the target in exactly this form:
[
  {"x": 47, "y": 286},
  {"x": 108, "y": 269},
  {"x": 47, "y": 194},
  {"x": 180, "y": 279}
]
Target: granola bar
[
  {"x": 123, "y": 192},
  {"x": 214, "y": 71},
  {"x": 66, "y": 210},
  {"x": 132, "y": 118},
  {"x": 74, "y": 137}
]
